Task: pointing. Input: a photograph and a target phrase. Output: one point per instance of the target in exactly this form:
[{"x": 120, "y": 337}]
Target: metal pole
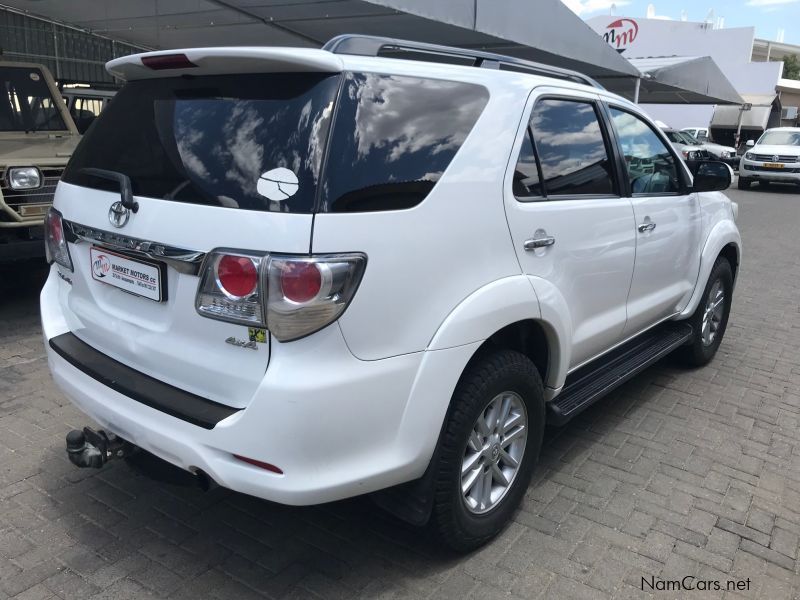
[
  {"x": 636, "y": 90},
  {"x": 739, "y": 127},
  {"x": 55, "y": 52}
]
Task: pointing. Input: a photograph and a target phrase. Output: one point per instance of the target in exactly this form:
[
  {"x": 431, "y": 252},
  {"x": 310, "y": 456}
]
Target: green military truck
[{"x": 37, "y": 137}]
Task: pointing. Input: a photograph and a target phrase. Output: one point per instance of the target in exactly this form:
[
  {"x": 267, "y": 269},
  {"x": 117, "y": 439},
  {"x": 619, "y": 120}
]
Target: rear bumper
[
  {"x": 138, "y": 386},
  {"x": 337, "y": 426}
]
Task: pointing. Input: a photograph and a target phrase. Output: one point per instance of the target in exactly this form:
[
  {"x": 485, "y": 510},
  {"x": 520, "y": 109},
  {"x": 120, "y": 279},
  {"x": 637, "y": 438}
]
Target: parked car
[
  {"x": 85, "y": 104},
  {"x": 700, "y": 133},
  {"x": 37, "y": 137},
  {"x": 314, "y": 274},
  {"x": 688, "y": 150},
  {"x": 774, "y": 158},
  {"x": 726, "y": 154}
]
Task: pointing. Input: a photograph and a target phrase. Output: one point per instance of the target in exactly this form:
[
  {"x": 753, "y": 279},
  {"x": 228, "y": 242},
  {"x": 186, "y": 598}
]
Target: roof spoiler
[{"x": 223, "y": 61}]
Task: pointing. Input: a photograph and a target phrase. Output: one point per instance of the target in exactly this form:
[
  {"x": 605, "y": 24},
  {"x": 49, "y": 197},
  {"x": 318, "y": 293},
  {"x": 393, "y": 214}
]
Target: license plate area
[
  {"x": 773, "y": 165},
  {"x": 138, "y": 277}
]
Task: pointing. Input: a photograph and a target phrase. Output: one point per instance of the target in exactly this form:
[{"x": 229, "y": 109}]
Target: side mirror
[
  {"x": 712, "y": 176},
  {"x": 750, "y": 143}
]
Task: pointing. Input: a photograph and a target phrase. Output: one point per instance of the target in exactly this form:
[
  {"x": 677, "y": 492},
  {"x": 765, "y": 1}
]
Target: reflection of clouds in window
[
  {"x": 316, "y": 140},
  {"x": 388, "y": 116},
  {"x": 568, "y": 135},
  {"x": 189, "y": 137},
  {"x": 560, "y": 164},
  {"x": 243, "y": 148},
  {"x": 589, "y": 134}
]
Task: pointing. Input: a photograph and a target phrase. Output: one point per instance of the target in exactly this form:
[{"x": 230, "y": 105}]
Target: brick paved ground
[{"x": 679, "y": 473}]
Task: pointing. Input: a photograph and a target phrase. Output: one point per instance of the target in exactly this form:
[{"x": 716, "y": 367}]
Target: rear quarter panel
[{"x": 424, "y": 261}]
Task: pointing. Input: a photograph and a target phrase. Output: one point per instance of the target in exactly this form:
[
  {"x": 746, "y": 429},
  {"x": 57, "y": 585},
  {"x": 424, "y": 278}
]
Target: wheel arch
[{"x": 723, "y": 240}]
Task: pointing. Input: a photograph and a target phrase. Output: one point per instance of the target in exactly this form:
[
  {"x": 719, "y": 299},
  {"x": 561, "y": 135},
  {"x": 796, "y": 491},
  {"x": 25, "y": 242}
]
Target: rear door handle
[
  {"x": 539, "y": 242},
  {"x": 644, "y": 227}
]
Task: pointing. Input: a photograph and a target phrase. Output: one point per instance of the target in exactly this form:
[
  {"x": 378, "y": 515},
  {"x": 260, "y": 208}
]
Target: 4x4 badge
[{"x": 118, "y": 215}]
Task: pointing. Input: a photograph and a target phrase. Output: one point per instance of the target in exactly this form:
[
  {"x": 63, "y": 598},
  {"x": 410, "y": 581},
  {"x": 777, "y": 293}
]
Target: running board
[{"x": 591, "y": 382}]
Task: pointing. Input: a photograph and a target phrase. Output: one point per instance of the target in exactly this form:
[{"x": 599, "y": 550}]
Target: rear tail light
[
  {"x": 230, "y": 290},
  {"x": 291, "y": 296},
  {"x": 55, "y": 243}
]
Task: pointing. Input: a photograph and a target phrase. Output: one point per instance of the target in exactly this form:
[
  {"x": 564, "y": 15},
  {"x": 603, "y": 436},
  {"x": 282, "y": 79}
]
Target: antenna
[
  {"x": 651, "y": 11},
  {"x": 684, "y": 16},
  {"x": 710, "y": 16},
  {"x": 779, "y": 37}
]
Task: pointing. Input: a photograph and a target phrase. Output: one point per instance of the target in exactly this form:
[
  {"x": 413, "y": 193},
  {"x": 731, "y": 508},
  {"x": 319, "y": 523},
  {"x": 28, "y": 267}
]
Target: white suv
[
  {"x": 774, "y": 158},
  {"x": 312, "y": 274}
]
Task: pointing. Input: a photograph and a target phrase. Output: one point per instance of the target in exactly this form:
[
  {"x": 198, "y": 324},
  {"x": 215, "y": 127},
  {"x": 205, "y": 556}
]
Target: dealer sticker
[{"x": 136, "y": 277}]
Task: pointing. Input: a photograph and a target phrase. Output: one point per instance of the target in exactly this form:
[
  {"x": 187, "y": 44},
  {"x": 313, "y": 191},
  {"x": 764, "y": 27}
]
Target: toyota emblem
[{"x": 118, "y": 215}]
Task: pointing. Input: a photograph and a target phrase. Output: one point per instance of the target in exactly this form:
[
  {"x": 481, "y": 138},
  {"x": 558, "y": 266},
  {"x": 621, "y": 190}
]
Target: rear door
[
  {"x": 668, "y": 223},
  {"x": 569, "y": 223},
  {"x": 223, "y": 161}
]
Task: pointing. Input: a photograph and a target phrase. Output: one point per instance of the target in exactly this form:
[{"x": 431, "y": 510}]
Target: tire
[
  {"x": 744, "y": 183},
  {"x": 705, "y": 342},
  {"x": 502, "y": 378}
]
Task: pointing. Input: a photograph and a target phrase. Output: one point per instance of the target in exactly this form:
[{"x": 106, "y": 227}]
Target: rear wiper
[{"x": 125, "y": 188}]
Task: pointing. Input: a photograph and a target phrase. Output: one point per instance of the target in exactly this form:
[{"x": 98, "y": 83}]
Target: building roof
[
  {"x": 550, "y": 34},
  {"x": 679, "y": 80}
]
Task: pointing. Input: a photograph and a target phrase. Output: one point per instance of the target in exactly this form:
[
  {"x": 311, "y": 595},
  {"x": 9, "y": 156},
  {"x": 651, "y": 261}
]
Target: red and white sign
[{"x": 620, "y": 34}]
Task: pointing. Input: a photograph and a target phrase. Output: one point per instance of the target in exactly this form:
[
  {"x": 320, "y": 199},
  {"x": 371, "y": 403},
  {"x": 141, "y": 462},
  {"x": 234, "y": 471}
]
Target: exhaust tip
[{"x": 204, "y": 481}]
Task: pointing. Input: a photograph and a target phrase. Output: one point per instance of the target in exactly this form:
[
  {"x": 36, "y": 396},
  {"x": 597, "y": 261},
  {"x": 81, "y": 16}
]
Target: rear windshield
[
  {"x": 257, "y": 142},
  {"x": 253, "y": 141}
]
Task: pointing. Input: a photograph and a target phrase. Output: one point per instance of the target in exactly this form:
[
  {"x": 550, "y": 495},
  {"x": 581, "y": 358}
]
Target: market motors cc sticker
[{"x": 278, "y": 184}]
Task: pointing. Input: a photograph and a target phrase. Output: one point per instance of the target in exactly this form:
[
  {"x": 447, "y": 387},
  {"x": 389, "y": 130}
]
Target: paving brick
[
  {"x": 767, "y": 554},
  {"x": 761, "y": 520},
  {"x": 785, "y": 542},
  {"x": 745, "y": 532}
]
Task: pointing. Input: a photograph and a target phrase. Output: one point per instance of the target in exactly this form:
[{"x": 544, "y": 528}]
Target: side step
[{"x": 591, "y": 382}]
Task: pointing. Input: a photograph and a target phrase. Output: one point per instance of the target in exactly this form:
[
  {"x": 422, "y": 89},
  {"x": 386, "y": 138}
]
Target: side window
[
  {"x": 526, "y": 174},
  {"x": 571, "y": 147},
  {"x": 651, "y": 166},
  {"x": 393, "y": 138}
]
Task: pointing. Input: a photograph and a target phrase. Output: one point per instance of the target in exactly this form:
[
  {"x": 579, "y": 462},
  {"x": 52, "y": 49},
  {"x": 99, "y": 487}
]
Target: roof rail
[{"x": 370, "y": 45}]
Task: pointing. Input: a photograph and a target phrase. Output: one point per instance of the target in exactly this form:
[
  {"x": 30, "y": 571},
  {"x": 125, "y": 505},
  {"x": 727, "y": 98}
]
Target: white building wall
[{"x": 731, "y": 49}]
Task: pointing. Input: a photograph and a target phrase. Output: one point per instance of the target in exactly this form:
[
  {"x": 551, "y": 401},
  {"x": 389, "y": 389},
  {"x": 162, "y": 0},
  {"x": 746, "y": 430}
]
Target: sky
[{"x": 768, "y": 16}]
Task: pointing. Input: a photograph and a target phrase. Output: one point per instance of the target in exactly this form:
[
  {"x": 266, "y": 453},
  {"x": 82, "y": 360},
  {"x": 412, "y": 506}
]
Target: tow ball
[{"x": 90, "y": 448}]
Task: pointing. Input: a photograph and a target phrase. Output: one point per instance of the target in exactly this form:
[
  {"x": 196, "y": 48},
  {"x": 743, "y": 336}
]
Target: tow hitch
[{"x": 90, "y": 448}]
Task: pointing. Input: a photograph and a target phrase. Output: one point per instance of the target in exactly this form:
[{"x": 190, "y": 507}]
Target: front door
[
  {"x": 668, "y": 224},
  {"x": 569, "y": 224}
]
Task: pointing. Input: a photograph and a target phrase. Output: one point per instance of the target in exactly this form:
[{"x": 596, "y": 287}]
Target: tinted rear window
[
  {"x": 253, "y": 142},
  {"x": 393, "y": 137}
]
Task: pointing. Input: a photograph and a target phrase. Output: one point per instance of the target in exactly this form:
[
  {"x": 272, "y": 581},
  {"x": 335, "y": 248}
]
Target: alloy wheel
[{"x": 494, "y": 452}]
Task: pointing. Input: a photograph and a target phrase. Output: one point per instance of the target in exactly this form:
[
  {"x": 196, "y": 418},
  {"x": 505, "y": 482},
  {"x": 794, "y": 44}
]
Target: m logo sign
[{"x": 621, "y": 33}]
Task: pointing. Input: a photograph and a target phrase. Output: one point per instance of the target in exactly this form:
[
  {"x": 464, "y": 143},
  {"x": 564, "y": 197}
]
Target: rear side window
[
  {"x": 527, "y": 183},
  {"x": 253, "y": 142},
  {"x": 393, "y": 137},
  {"x": 572, "y": 149}
]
